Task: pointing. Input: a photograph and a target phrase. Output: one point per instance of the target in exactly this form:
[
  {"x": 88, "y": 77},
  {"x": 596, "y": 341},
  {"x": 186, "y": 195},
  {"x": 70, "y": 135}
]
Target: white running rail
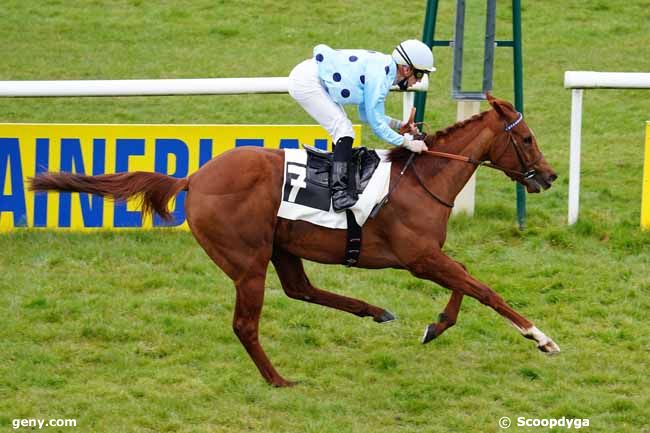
[
  {"x": 166, "y": 87},
  {"x": 578, "y": 81}
]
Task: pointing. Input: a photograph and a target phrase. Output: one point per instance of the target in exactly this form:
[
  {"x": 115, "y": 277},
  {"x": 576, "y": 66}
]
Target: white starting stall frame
[
  {"x": 578, "y": 81},
  {"x": 168, "y": 87}
]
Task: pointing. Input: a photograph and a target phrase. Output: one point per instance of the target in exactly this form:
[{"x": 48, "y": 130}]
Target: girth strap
[{"x": 353, "y": 246}]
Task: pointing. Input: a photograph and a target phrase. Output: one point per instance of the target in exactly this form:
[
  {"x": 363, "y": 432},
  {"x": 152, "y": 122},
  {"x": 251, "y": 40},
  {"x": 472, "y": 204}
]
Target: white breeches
[{"x": 305, "y": 87}]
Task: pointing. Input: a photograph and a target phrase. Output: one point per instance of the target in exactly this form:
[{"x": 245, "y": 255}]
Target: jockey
[{"x": 333, "y": 78}]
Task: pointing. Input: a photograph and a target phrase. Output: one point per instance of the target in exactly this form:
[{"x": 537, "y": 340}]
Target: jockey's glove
[{"x": 416, "y": 146}]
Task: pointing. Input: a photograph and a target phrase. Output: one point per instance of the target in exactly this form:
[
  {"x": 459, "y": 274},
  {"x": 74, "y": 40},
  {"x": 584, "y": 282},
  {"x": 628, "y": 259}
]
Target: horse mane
[{"x": 400, "y": 154}]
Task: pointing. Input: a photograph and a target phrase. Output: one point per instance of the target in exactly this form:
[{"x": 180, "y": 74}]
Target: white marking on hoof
[
  {"x": 424, "y": 336},
  {"x": 544, "y": 343},
  {"x": 537, "y": 335}
]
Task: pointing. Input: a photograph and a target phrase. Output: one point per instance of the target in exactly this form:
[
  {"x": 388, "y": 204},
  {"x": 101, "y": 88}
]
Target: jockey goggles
[{"x": 419, "y": 73}]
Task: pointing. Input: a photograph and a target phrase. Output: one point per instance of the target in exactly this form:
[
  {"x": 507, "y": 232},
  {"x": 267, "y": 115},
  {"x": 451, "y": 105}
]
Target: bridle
[
  {"x": 528, "y": 170},
  {"x": 527, "y": 167}
]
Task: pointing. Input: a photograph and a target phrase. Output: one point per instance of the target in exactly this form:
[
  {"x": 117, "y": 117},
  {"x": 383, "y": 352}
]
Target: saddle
[{"x": 319, "y": 163}]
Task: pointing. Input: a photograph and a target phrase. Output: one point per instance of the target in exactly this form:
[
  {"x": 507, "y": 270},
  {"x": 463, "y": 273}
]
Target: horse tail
[{"x": 154, "y": 190}]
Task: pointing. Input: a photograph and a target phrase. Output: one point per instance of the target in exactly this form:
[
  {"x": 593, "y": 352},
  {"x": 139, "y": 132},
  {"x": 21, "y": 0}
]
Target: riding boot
[
  {"x": 343, "y": 186},
  {"x": 342, "y": 177}
]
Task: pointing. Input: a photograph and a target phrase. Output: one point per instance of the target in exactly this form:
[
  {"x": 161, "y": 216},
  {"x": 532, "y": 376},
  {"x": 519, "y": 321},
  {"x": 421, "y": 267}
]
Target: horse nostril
[{"x": 552, "y": 178}]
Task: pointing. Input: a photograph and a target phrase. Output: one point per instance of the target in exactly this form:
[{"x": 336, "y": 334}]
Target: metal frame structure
[
  {"x": 428, "y": 37},
  {"x": 458, "y": 92}
]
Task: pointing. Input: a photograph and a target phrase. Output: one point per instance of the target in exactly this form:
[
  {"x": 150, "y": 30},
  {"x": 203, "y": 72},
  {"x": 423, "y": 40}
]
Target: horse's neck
[{"x": 471, "y": 140}]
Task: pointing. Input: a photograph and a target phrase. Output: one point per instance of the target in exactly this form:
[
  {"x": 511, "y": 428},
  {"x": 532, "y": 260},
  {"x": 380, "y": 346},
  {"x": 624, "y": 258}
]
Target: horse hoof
[
  {"x": 284, "y": 384},
  {"x": 549, "y": 348},
  {"x": 429, "y": 334},
  {"x": 385, "y": 317}
]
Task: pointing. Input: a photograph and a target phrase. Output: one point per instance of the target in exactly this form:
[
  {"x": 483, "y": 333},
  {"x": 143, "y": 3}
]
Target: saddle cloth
[{"x": 306, "y": 195}]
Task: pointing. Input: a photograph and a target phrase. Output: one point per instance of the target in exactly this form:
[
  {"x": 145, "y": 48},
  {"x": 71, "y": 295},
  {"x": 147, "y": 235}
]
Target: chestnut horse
[{"x": 232, "y": 204}]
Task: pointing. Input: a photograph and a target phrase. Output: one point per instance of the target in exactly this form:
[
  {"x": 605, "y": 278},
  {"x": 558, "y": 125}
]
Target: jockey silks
[{"x": 358, "y": 77}]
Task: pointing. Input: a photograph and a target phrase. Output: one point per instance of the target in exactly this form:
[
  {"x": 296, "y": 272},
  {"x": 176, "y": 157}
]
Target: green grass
[{"x": 131, "y": 332}]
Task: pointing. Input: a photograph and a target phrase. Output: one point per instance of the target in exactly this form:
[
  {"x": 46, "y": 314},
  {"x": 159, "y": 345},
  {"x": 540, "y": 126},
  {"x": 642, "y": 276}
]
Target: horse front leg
[
  {"x": 441, "y": 269},
  {"x": 446, "y": 320}
]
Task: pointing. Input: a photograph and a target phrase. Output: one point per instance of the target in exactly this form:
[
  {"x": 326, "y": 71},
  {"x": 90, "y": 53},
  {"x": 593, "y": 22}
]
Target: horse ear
[{"x": 495, "y": 103}]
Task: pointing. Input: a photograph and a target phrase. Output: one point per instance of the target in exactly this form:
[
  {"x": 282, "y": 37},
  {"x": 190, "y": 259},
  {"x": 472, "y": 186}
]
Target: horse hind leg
[
  {"x": 248, "y": 307},
  {"x": 246, "y": 266},
  {"x": 297, "y": 286}
]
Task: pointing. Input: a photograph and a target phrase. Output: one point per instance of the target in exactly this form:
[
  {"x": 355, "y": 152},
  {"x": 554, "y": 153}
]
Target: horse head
[{"x": 514, "y": 149}]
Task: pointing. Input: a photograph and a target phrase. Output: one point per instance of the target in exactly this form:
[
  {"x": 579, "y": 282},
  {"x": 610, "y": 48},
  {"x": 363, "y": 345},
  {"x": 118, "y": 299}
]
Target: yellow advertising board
[
  {"x": 176, "y": 150},
  {"x": 645, "y": 195}
]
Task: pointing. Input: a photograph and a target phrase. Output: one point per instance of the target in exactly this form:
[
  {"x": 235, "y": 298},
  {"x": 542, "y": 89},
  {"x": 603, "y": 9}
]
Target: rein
[{"x": 526, "y": 173}]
